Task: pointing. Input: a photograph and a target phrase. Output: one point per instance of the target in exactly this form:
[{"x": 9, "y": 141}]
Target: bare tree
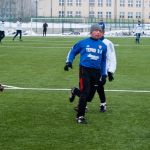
[{"x": 12, "y": 9}]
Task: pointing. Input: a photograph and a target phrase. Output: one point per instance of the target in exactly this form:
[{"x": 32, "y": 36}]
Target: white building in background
[{"x": 106, "y": 9}]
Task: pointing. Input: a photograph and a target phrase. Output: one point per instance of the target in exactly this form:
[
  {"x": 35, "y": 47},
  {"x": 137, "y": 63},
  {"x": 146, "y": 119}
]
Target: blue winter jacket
[{"x": 92, "y": 54}]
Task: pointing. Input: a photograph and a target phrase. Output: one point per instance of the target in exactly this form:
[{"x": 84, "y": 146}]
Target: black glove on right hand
[
  {"x": 110, "y": 76},
  {"x": 67, "y": 66}
]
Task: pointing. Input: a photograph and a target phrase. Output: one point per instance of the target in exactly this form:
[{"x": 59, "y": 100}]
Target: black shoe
[
  {"x": 1, "y": 88},
  {"x": 103, "y": 108},
  {"x": 72, "y": 95},
  {"x": 81, "y": 120},
  {"x": 86, "y": 109}
]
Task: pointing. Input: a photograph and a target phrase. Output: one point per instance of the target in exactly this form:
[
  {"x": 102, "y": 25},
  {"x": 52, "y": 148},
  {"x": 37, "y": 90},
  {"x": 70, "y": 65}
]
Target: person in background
[
  {"x": 2, "y": 30},
  {"x": 18, "y": 29},
  {"x": 111, "y": 68},
  {"x": 101, "y": 23},
  {"x": 138, "y": 31},
  {"x": 92, "y": 66},
  {"x": 45, "y": 26}
]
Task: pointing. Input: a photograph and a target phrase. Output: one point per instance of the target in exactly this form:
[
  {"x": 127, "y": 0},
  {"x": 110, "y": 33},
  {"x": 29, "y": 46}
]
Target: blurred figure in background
[
  {"x": 102, "y": 24},
  {"x": 45, "y": 26},
  {"x": 18, "y": 29},
  {"x": 138, "y": 31},
  {"x": 2, "y": 30}
]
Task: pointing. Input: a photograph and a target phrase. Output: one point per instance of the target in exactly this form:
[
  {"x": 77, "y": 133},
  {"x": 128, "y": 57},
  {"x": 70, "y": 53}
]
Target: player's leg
[
  {"x": 15, "y": 35},
  {"x": 74, "y": 92},
  {"x": 102, "y": 97},
  {"x": 43, "y": 32},
  {"x": 0, "y": 36},
  {"x": 3, "y": 34},
  {"x": 139, "y": 38},
  {"x": 136, "y": 38},
  {"x": 84, "y": 90},
  {"x": 92, "y": 91},
  {"x": 20, "y": 37}
]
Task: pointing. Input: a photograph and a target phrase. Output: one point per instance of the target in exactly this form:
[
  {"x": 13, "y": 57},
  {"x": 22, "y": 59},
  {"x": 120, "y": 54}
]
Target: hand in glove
[
  {"x": 103, "y": 79},
  {"x": 67, "y": 66},
  {"x": 110, "y": 76}
]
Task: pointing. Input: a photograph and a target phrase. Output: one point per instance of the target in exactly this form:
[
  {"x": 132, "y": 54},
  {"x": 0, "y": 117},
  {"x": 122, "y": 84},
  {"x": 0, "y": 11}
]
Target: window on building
[
  {"x": 138, "y": 3},
  {"x": 130, "y": 3},
  {"x": 78, "y": 2},
  {"x": 100, "y": 3},
  {"x": 91, "y": 2},
  {"x": 69, "y": 14},
  {"x": 61, "y": 13},
  {"x": 138, "y": 15},
  {"x": 108, "y": 14},
  {"x": 69, "y": 2},
  {"x": 108, "y": 3},
  {"x": 61, "y": 2},
  {"x": 122, "y": 3},
  {"x": 100, "y": 14},
  {"x": 91, "y": 14},
  {"x": 130, "y": 15},
  {"x": 78, "y": 13},
  {"x": 122, "y": 14}
]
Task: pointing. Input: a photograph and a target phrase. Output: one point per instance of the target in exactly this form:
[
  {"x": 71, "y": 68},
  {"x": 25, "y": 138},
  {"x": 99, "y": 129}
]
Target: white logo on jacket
[{"x": 93, "y": 57}]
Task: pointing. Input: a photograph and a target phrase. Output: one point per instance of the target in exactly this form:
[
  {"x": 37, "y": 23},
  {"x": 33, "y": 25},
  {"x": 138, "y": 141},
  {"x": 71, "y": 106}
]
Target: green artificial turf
[{"x": 45, "y": 119}]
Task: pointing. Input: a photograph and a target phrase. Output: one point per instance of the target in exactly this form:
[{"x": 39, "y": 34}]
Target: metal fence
[{"x": 68, "y": 25}]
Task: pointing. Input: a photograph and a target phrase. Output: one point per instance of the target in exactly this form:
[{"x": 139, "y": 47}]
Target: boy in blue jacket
[{"x": 92, "y": 66}]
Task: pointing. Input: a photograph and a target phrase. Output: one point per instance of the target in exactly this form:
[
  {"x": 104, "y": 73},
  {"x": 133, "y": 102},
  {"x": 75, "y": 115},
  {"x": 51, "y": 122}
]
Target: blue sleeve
[
  {"x": 73, "y": 52},
  {"x": 103, "y": 62}
]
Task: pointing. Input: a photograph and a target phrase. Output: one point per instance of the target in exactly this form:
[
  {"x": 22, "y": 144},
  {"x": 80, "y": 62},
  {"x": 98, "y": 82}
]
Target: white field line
[
  {"x": 9, "y": 86},
  {"x": 59, "y": 46},
  {"x": 36, "y": 47},
  {"x": 61, "y": 89}
]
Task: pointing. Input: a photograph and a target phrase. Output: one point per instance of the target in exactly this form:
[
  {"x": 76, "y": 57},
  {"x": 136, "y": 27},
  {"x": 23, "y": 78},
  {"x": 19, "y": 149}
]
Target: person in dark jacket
[{"x": 45, "y": 26}]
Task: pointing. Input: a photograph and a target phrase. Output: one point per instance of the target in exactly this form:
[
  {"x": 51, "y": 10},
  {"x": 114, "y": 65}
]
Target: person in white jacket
[
  {"x": 138, "y": 31},
  {"x": 18, "y": 29},
  {"x": 111, "y": 68},
  {"x": 2, "y": 30}
]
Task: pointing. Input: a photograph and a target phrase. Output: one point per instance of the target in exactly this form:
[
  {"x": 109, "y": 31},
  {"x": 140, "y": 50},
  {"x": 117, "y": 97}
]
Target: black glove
[
  {"x": 67, "y": 66},
  {"x": 110, "y": 76},
  {"x": 103, "y": 79}
]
